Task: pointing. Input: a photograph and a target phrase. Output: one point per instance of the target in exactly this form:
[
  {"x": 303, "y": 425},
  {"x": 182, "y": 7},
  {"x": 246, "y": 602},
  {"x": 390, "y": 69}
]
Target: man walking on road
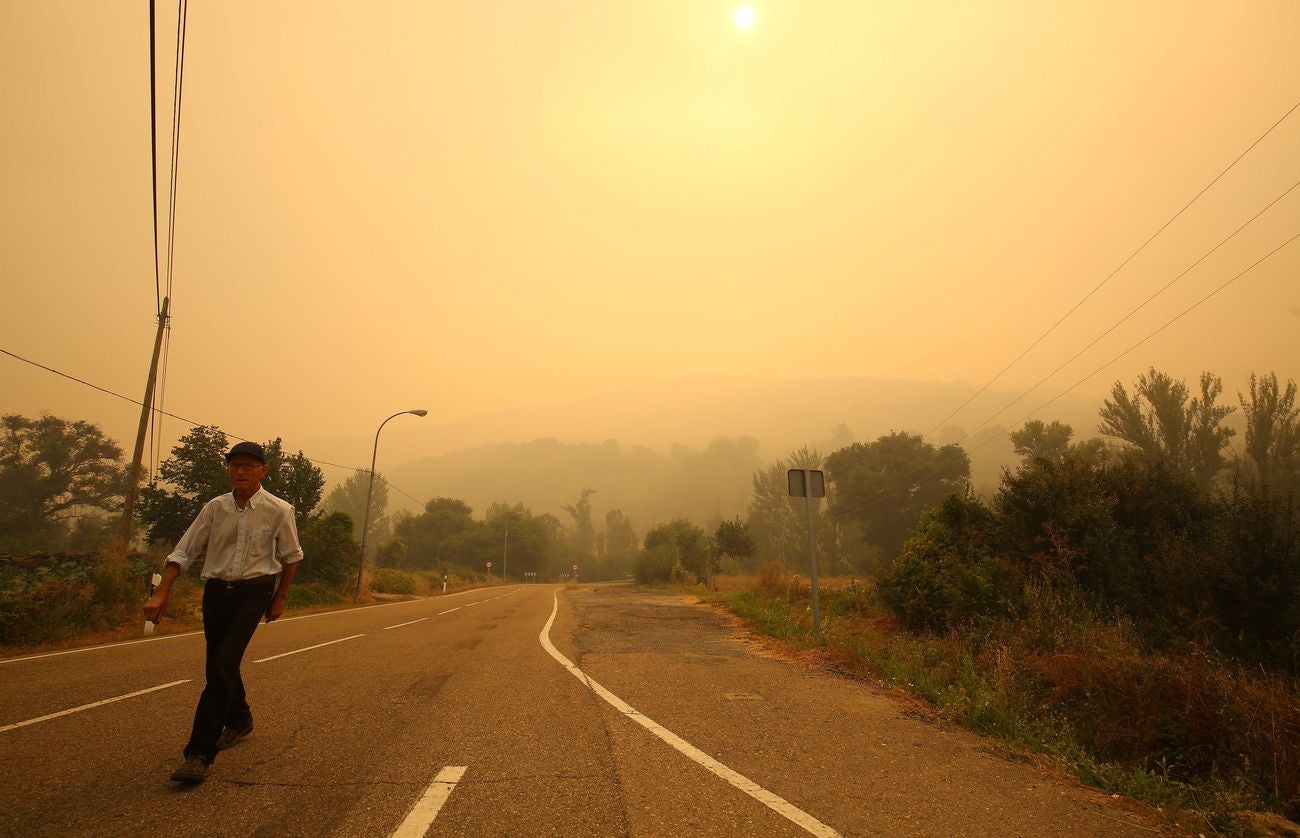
[{"x": 250, "y": 536}]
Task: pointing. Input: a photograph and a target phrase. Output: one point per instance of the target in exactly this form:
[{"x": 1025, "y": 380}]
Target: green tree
[
  {"x": 584, "y": 532},
  {"x": 349, "y": 497},
  {"x": 52, "y": 470},
  {"x": 732, "y": 539},
  {"x": 620, "y": 538},
  {"x": 438, "y": 534},
  {"x": 771, "y": 517},
  {"x": 330, "y": 556},
  {"x": 1039, "y": 439},
  {"x": 883, "y": 486},
  {"x": 691, "y": 542},
  {"x": 293, "y": 478},
  {"x": 1272, "y": 454},
  {"x": 529, "y": 542},
  {"x": 194, "y": 475},
  {"x": 1162, "y": 420}
]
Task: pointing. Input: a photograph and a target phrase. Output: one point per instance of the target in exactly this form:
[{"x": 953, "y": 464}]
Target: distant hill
[{"x": 653, "y": 454}]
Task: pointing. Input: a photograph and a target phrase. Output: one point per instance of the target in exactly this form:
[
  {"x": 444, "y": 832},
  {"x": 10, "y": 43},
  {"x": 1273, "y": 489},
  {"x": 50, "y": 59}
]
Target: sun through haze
[{"x": 490, "y": 209}]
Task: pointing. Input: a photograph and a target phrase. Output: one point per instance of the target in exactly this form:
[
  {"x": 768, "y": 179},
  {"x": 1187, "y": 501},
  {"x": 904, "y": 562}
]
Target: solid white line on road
[
  {"x": 308, "y": 648},
  {"x": 407, "y": 623},
  {"x": 107, "y": 646},
  {"x": 93, "y": 704},
  {"x": 448, "y": 611},
  {"x": 769, "y": 799},
  {"x": 426, "y": 808}
]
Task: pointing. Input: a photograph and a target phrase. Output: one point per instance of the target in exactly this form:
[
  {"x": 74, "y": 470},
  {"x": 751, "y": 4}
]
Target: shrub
[
  {"x": 389, "y": 581},
  {"x": 655, "y": 565},
  {"x": 48, "y": 598},
  {"x": 312, "y": 593},
  {"x": 948, "y": 572},
  {"x": 772, "y": 581},
  {"x": 1258, "y": 590}
]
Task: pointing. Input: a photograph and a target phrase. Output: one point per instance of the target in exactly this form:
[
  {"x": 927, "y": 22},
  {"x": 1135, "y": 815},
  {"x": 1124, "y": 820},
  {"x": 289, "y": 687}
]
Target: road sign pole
[{"x": 812, "y": 555}]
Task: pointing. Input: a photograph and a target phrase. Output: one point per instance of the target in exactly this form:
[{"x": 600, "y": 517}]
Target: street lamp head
[{"x": 419, "y": 412}]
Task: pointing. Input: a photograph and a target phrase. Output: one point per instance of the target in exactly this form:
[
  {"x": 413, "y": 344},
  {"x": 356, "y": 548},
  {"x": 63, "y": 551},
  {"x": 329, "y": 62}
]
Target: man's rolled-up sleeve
[
  {"x": 287, "y": 548},
  {"x": 195, "y": 540}
]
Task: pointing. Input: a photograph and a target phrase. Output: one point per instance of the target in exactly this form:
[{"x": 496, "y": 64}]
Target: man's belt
[{"x": 230, "y": 584}]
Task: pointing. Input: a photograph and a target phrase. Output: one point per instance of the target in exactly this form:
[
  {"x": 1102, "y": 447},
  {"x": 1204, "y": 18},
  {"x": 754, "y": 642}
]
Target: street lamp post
[{"x": 365, "y": 520}]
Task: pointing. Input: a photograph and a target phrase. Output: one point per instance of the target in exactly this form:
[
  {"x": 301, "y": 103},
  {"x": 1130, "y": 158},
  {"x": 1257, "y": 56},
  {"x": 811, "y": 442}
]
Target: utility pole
[
  {"x": 505, "y": 554},
  {"x": 133, "y": 475}
]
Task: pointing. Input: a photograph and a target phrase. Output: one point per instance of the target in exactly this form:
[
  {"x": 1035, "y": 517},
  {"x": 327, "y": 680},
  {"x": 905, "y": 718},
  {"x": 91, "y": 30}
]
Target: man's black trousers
[{"x": 231, "y": 612}]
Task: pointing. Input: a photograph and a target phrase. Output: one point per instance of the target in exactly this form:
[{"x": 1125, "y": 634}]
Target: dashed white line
[
  {"x": 407, "y": 623},
  {"x": 448, "y": 611},
  {"x": 92, "y": 704},
  {"x": 769, "y": 799},
  {"x": 426, "y": 808},
  {"x": 308, "y": 648}
]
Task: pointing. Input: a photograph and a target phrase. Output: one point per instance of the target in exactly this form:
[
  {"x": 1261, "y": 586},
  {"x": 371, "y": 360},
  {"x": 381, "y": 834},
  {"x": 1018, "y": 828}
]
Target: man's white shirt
[{"x": 258, "y": 540}]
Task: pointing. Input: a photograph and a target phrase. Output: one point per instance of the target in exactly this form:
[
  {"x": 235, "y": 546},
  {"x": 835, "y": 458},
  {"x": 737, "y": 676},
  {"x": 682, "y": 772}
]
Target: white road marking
[
  {"x": 448, "y": 611},
  {"x": 93, "y": 704},
  {"x": 769, "y": 799},
  {"x": 192, "y": 633},
  {"x": 308, "y": 648},
  {"x": 426, "y": 808},
  {"x": 407, "y": 623},
  {"x": 94, "y": 648}
]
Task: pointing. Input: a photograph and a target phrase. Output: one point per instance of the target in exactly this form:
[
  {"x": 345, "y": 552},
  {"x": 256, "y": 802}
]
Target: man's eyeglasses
[{"x": 243, "y": 466}]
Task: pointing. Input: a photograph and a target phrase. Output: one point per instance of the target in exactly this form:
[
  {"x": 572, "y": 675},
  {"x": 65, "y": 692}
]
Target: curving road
[{"x": 526, "y": 710}]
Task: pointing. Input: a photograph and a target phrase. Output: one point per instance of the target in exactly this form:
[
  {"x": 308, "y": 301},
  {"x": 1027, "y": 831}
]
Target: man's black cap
[{"x": 252, "y": 449}]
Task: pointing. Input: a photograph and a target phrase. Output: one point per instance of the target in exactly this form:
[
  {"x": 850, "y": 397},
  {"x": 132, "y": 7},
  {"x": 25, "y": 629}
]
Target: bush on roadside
[
  {"x": 312, "y": 593},
  {"x": 949, "y": 571},
  {"x": 386, "y": 580},
  {"x": 654, "y": 565}
]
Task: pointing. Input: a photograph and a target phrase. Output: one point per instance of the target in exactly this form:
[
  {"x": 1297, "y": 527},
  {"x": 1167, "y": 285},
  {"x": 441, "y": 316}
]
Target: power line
[
  {"x": 883, "y": 491},
  {"x": 1132, "y": 312},
  {"x": 178, "y": 90},
  {"x": 153, "y": 146},
  {"x": 193, "y": 422},
  {"x": 1112, "y": 274},
  {"x": 1166, "y": 325}
]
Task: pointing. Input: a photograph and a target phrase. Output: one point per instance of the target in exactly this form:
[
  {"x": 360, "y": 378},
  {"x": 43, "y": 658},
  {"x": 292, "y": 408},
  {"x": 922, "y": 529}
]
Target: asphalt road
[{"x": 525, "y": 710}]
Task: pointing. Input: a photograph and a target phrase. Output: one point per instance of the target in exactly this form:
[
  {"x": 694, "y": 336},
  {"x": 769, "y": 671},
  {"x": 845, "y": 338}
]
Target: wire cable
[
  {"x": 178, "y": 91},
  {"x": 1132, "y": 312},
  {"x": 193, "y": 422},
  {"x": 1112, "y": 274},
  {"x": 1166, "y": 325},
  {"x": 884, "y": 491},
  {"x": 153, "y": 145}
]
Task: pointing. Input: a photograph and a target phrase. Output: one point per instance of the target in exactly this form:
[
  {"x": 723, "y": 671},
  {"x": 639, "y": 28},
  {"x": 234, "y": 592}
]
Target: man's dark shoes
[
  {"x": 192, "y": 771},
  {"x": 231, "y": 735}
]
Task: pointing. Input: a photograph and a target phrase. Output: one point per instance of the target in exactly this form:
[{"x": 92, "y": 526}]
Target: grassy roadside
[{"x": 995, "y": 685}]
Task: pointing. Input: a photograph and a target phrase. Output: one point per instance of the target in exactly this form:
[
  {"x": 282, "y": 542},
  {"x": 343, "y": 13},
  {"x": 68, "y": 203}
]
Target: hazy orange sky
[{"x": 481, "y": 206}]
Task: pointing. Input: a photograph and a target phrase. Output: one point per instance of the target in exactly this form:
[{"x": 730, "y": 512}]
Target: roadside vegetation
[{"x": 1130, "y": 609}]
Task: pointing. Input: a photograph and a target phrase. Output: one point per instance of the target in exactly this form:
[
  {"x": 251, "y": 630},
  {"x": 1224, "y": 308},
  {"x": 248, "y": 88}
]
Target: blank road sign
[{"x": 795, "y": 479}]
